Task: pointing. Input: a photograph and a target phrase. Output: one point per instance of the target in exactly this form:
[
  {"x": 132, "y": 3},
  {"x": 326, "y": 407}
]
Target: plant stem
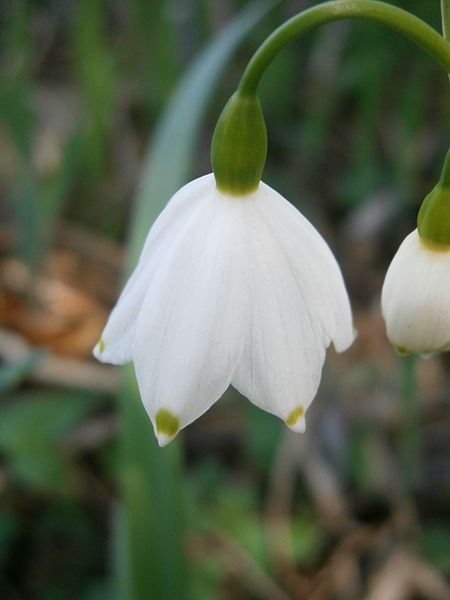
[
  {"x": 445, "y": 12},
  {"x": 445, "y": 174},
  {"x": 409, "y": 434},
  {"x": 391, "y": 16}
]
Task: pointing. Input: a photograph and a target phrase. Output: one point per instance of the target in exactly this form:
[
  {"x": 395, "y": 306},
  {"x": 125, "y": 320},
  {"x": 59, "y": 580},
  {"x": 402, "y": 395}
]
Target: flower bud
[
  {"x": 416, "y": 292},
  {"x": 416, "y": 297}
]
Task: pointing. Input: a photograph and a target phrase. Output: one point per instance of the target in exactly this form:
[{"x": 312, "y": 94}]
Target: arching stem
[{"x": 391, "y": 16}]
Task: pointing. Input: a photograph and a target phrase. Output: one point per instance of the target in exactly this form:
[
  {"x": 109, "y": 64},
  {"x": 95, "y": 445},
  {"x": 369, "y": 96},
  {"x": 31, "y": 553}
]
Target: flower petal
[
  {"x": 313, "y": 263},
  {"x": 191, "y": 328},
  {"x": 280, "y": 367},
  {"x": 117, "y": 337},
  {"x": 299, "y": 304},
  {"x": 415, "y": 299}
]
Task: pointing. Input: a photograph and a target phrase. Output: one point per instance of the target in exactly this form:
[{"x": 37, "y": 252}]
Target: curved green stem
[{"x": 391, "y": 16}]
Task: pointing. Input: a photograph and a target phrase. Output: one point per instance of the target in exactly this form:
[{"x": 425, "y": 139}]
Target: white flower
[
  {"x": 228, "y": 289},
  {"x": 416, "y": 297}
]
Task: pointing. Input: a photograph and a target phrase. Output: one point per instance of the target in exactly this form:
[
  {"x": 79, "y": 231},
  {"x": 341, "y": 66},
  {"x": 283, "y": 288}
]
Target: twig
[
  {"x": 54, "y": 370},
  {"x": 323, "y": 485},
  {"x": 91, "y": 434},
  {"x": 240, "y": 564},
  {"x": 279, "y": 505},
  {"x": 403, "y": 576}
]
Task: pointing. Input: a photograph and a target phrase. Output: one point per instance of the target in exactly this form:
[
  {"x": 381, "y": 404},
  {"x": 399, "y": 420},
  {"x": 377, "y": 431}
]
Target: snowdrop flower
[
  {"x": 228, "y": 289},
  {"x": 233, "y": 286},
  {"x": 416, "y": 293},
  {"x": 416, "y": 297}
]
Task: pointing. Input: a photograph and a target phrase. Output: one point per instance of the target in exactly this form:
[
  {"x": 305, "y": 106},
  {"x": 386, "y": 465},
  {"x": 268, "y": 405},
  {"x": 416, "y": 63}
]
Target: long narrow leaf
[{"x": 169, "y": 157}]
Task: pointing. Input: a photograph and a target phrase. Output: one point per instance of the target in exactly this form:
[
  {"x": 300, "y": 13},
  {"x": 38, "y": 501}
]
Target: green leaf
[
  {"x": 149, "y": 550},
  {"x": 169, "y": 159},
  {"x": 155, "y": 51},
  {"x": 94, "y": 63},
  {"x": 263, "y": 436},
  {"x": 31, "y": 429},
  {"x": 12, "y": 375},
  {"x": 434, "y": 544},
  {"x": 9, "y": 527}
]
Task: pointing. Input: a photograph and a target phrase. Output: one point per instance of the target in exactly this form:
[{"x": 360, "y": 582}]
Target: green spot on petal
[
  {"x": 402, "y": 351},
  {"x": 101, "y": 345},
  {"x": 294, "y": 416},
  {"x": 167, "y": 422}
]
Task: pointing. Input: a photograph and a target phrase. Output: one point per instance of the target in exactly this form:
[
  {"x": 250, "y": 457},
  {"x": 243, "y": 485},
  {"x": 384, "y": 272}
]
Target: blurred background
[{"x": 92, "y": 144}]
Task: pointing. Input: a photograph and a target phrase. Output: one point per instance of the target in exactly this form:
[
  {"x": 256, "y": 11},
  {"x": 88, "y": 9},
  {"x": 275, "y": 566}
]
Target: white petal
[
  {"x": 314, "y": 264},
  {"x": 416, "y": 297},
  {"x": 117, "y": 337},
  {"x": 299, "y": 304},
  {"x": 191, "y": 328}
]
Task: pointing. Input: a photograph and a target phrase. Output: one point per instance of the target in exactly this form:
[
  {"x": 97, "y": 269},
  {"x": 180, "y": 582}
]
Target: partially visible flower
[
  {"x": 228, "y": 289},
  {"x": 416, "y": 297}
]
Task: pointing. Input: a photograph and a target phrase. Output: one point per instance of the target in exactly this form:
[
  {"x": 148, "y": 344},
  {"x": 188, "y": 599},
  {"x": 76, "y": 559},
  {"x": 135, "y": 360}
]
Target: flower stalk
[
  {"x": 445, "y": 12},
  {"x": 395, "y": 18},
  {"x": 410, "y": 426},
  {"x": 239, "y": 143}
]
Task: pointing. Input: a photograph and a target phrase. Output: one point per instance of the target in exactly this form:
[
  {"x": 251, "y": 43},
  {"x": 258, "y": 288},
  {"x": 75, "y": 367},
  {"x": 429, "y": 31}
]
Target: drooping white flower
[
  {"x": 415, "y": 299},
  {"x": 228, "y": 289}
]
